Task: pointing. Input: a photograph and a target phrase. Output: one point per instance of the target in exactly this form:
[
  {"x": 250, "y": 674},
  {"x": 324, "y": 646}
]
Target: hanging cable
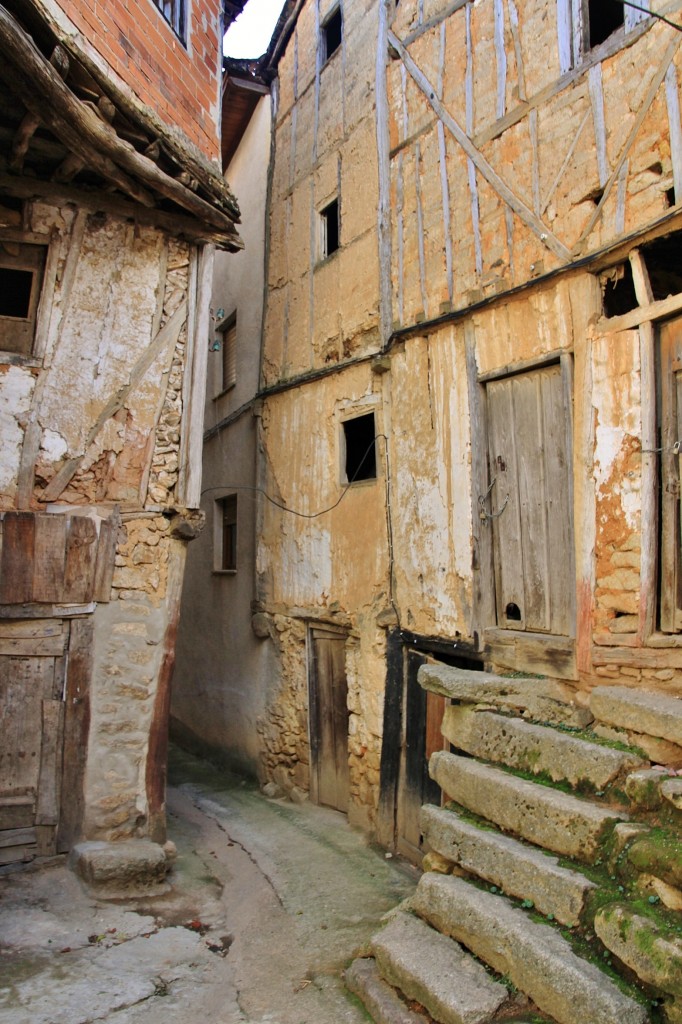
[
  {"x": 292, "y": 511},
  {"x": 652, "y": 14},
  {"x": 675, "y": 448}
]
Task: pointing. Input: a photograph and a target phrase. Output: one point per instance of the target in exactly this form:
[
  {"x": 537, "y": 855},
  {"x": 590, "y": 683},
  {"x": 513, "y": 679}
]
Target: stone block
[
  {"x": 516, "y": 869},
  {"x": 541, "y": 699},
  {"x": 381, "y": 1001},
  {"x": 671, "y": 790},
  {"x": 657, "y": 750},
  {"x": 535, "y": 748},
  {"x": 434, "y": 861},
  {"x": 652, "y": 953},
  {"x": 638, "y": 711},
  {"x": 134, "y": 867},
  {"x": 659, "y": 853},
  {"x": 643, "y": 789},
  {"x": 544, "y": 816},
  {"x": 436, "y": 971},
  {"x": 535, "y": 957}
]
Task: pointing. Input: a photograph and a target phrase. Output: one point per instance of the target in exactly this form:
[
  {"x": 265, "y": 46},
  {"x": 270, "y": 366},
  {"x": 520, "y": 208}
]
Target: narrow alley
[{"x": 269, "y": 902}]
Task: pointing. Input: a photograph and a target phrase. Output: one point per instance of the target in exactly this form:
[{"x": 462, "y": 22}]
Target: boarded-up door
[
  {"x": 529, "y": 506},
  {"x": 329, "y": 718},
  {"x": 31, "y": 731},
  {"x": 670, "y": 417}
]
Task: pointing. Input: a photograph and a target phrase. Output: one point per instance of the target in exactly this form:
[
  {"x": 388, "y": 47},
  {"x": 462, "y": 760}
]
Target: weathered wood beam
[
  {"x": 546, "y": 236},
  {"x": 629, "y": 321},
  {"x": 176, "y": 224},
  {"x": 29, "y": 125},
  {"x": 42, "y": 91}
]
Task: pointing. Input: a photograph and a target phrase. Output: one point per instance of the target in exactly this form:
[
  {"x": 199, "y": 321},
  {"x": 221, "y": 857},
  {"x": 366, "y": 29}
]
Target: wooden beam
[
  {"x": 43, "y": 92},
  {"x": 31, "y": 122},
  {"x": 545, "y": 235},
  {"x": 655, "y": 85},
  {"x": 628, "y": 321}
]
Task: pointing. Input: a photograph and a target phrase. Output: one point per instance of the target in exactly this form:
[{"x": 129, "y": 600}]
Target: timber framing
[{"x": 69, "y": 126}]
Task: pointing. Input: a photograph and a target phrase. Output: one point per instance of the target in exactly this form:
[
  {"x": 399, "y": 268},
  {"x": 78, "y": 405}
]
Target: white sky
[{"x": 250, "y": 34}]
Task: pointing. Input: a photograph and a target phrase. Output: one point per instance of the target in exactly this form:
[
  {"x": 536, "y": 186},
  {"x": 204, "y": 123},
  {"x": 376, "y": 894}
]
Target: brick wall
[{"x": 179, "y": 81}]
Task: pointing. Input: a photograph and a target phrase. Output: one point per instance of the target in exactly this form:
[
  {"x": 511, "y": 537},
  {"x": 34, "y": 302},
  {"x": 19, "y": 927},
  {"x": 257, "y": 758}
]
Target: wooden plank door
[
  {"x": 329, "y": 719},
  {"x": 31, "y": 726},
  {"x": 670, "y": 420},
  {"x": 530, "y": 501}
]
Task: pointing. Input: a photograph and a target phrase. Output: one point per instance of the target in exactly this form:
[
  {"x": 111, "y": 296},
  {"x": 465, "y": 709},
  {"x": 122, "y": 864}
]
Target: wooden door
[
  {"x": 421, "y": 737},
  {"x": 530, "y": 501},
  {"x": 32, "y": 679},
  {"x": 670, "y": 420},
  {"x": 329, "y": 719}
]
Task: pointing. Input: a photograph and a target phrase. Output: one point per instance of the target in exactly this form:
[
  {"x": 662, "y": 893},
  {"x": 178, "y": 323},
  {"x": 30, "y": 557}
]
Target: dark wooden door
[
  {"x": 670, "y": 420},
  {"x": 421, "y": 737},
  {"x": 530, "y": 501},
  {"x": 329, "y": 719}
]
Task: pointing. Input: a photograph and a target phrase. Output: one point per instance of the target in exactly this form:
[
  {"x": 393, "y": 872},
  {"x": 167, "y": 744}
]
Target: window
[
  {"x": 226, "y": 534},
  {"x": 360, "y": 460},
  {"x": 174, "y": 13},
  {"x": 332, "y": 34},
  {"x": 228, "y": 349},
  {"x": 585, "y": 24},
  {"x": 21, "y": 276},
  {"x": 330, "y": 232}
]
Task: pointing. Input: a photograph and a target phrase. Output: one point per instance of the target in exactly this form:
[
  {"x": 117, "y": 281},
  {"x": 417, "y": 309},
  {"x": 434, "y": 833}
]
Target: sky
[{"x": 250, "y": 34}]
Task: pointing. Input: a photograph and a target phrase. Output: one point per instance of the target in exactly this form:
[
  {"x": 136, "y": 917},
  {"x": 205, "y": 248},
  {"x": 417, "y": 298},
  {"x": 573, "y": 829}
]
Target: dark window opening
[
  {"x": 605, "y": 16},
  {"x": 228, "y": 554},
  {"x": 663, "y": 258},
  {"x": 361, "y": 460},
  {"x": 619, "y": 291},
  {"x": 331, "y": 33},
  {"x": 174, "y": 13},
  {"x": 330, "y": 228},
  {"x": 15, "y": 292},
  {"x": 229, "y": 353},
  {"x": 670, "y": 196}
]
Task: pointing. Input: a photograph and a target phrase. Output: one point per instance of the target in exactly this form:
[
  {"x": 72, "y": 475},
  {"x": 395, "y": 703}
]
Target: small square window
[
  {"x": 359, "y": 435},
  {"x": 330, "y": 228},
  {"x": 228, "y": 349},
  {"x": 226, "y": 534},
  {"x": 174, "y": 11},
  {"x": 21, "y": 276},
  {"x": 332, "y": 34},
  {"x": 604, "y": 17}
]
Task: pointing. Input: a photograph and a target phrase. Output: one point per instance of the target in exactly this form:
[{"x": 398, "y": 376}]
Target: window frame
[
  {"x": 34, "y": 262},
  {"x": 328, "y": 22},
  {"x": 178, "y": 18},
  {"x": 324, "y": 220},
  {"x": 226, "y": 535},
  {"x": 573, "y": 26},
  {"x": 227, "y": 330},
  {"x": 350, "y": 416}
]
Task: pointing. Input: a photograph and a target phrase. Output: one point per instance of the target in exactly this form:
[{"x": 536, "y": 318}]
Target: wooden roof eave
[{"x": 39, "y": 85}]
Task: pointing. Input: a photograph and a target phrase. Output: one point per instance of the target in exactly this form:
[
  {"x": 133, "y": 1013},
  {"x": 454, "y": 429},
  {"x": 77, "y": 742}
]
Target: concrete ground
[{"x": 270, "y": 901}]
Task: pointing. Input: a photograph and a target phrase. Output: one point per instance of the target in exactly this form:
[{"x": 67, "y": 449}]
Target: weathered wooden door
[
  {"x": 529, "y": 505},
  {"x": 670, "y": 420},
  {"x": 31, "y": 727},
  {"x": 329, "y": 718}
]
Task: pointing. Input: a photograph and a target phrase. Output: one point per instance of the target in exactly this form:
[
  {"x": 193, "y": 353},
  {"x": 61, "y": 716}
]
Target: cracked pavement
[{"x": 270, "y": 901}]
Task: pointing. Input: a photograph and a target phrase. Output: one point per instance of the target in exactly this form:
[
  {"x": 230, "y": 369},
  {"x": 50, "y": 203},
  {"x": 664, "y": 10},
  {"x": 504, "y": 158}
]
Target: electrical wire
[
  {"x": 293, "y": 511},
  {"x": 652, "y": 14},
  {"x": 675, "y": 448}
]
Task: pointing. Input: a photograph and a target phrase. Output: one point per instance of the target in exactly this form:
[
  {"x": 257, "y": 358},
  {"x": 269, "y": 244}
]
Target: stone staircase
[{"x": 552, "y": 889}]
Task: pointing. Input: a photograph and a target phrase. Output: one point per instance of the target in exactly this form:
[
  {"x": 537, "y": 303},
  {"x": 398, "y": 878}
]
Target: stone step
[
  {"x": 380, "y": 999},
  {"x": 536, "y": 748},
  {"x": 533, "y": 956},
  {"x": 542, "y": 699},
  {"x": 639, "y": 711},
  {"x": 544, "y": 816},
  {"x": 436, "y": 971},
  {"x": 518, "y": 870}
]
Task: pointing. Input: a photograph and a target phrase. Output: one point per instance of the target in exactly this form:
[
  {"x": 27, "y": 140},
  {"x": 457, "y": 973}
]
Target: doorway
[
  {"x": 328, "y": 704},
  {"x": 529, "y": 502}
]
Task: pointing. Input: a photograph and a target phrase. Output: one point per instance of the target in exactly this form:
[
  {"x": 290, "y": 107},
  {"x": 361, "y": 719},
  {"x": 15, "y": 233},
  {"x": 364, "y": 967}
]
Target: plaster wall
[{"x": 224, "y": 672}]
